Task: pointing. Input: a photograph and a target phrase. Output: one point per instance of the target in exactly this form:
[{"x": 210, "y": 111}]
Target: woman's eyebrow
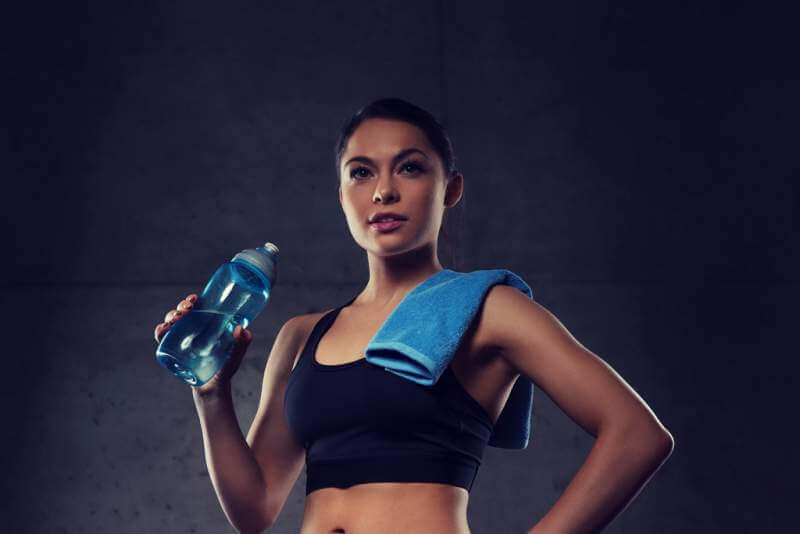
[{"x": 400, "y": 155}]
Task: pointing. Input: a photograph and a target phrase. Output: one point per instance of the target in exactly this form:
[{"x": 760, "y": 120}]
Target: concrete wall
[{"x": 632, "y": 163}]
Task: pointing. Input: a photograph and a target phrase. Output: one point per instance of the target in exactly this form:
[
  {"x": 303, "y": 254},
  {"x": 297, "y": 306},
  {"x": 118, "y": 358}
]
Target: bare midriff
[{"x": 388, "y": 508}]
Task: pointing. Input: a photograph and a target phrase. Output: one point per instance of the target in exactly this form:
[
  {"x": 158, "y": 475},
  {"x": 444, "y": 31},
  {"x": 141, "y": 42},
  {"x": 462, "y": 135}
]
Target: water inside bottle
[{"x": 197, "y": 343}]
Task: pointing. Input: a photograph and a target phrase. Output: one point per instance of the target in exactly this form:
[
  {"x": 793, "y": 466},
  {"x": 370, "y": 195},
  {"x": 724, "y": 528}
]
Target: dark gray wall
[{"x": 634, "y": 164}]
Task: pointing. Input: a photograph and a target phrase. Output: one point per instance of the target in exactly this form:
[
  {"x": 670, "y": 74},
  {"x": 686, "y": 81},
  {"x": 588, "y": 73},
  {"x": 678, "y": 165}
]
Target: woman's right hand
[{"x": 221, "y": 381}]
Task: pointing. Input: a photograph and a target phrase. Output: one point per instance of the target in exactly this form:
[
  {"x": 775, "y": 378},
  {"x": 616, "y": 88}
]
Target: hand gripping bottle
[{"x": 199, "y": 343}]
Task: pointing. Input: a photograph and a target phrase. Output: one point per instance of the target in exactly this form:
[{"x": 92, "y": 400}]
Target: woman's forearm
[
  {"x": 618, "y": 466},
  {"x": 234, "y": 471}
]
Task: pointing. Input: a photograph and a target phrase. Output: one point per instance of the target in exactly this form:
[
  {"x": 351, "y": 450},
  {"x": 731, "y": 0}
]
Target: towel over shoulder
[{"x": 421, "y": 336}]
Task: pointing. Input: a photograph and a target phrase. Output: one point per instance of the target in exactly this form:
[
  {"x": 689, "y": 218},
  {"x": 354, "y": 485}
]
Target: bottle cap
[
  {"x": 266, "y": 260},
  {"x": 272, "y": 247}
]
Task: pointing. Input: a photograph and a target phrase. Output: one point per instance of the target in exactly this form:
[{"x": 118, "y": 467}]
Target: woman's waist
[{"x": 387, "y": 507}]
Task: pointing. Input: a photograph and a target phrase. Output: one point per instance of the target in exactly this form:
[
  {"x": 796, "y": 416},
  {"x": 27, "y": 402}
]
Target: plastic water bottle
[{"x": 198, "y": 344}]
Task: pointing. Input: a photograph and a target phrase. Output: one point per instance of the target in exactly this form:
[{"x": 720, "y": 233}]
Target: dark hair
[{"x": 399, "y": 109}]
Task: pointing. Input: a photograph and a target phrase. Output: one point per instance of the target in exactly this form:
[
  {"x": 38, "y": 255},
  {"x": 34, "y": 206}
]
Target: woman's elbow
[
  {"x": 252, "y": 530},
  {"x": 662, "y": 443},
  {"x": 645, "y": 437},
  {"x": 255, "y": 527},
  {"x": 665, "y": 443},
  {"x": 656, "y": 441}
]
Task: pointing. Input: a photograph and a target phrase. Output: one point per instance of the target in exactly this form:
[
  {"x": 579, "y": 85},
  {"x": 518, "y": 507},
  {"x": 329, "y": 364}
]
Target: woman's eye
[
  {"x": 357, "y": 169},
  {"x": 415, "y": 167},
  {"x": 412, "y": 164}
]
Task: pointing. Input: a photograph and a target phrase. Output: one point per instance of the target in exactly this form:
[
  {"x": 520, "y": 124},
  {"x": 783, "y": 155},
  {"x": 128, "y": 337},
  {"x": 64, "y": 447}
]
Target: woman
[{"x": 395, "y": 157}]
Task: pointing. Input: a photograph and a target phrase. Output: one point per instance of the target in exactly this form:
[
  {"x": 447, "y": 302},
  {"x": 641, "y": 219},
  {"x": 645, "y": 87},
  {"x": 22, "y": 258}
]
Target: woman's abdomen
[{"x": 387, "y": 507}]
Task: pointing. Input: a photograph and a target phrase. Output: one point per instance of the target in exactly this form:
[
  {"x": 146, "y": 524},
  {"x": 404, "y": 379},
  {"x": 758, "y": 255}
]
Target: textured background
[{"x": 635, "y": 164}]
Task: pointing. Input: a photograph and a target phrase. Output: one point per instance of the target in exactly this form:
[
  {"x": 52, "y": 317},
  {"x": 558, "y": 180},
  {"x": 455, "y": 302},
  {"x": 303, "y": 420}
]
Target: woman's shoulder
[
  {"x": 502, "y": 307},
  {"x": 302, "y": 324}
]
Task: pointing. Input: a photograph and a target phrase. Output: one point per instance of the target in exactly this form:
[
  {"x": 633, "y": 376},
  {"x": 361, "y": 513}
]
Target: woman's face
[{"x": 388, "y": 165}]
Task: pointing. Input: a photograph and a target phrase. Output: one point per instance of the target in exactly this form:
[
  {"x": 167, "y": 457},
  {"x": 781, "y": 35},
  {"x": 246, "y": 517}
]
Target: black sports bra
[{"x": 361, "y": 423}]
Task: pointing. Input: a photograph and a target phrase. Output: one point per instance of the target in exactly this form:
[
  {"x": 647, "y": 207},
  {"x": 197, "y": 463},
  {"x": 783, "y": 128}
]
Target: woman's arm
[
  {"x": 232, "y": 465},
  {"x": 631, "y": 443},
  {"x": 254, "y": 475}
]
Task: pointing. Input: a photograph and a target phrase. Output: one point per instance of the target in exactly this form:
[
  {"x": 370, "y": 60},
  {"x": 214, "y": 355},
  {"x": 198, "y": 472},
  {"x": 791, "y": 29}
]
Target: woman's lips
[{"x": 385, "y": 226}]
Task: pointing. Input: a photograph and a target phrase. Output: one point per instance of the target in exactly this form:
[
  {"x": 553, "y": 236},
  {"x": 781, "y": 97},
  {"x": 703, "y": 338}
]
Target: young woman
[{"x": 321, "y": 397}]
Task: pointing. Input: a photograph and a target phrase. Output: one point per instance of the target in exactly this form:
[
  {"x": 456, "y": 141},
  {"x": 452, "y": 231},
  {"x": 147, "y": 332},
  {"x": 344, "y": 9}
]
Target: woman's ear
[{"x": 454, "y": 190}]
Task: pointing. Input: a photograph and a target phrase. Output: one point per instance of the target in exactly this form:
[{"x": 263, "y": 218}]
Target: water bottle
[{"x": 198, "y": 344}]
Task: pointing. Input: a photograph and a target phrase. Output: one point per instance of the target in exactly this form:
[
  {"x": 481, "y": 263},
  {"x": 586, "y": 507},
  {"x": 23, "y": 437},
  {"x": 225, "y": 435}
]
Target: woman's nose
[
  {"x": 385, "y": 190},
  {"x": 385, "y": 196}
]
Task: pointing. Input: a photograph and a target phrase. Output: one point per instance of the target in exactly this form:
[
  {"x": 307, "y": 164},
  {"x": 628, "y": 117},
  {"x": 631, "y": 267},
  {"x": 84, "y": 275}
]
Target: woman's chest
[
  {"x": 346, "y": 339},
  {"x": 477, "y": 365}
]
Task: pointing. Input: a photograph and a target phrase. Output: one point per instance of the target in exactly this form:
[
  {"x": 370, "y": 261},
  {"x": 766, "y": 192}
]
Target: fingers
[
  {"x": 187, "y": 303},
  {"x": 171, "y": 316},
  {"x": 242, "y": 335},
  {"x": 160, "y": 329},
  {"x": 181, "y": 309}
]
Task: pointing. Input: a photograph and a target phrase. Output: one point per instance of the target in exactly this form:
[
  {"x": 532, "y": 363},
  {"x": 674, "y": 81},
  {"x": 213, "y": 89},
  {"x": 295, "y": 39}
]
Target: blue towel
[{"x": 421, "y": 335}]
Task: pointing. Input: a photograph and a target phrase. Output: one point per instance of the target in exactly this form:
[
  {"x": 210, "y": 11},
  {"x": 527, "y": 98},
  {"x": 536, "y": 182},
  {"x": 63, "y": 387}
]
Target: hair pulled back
[{"x": 399, "y": 109}]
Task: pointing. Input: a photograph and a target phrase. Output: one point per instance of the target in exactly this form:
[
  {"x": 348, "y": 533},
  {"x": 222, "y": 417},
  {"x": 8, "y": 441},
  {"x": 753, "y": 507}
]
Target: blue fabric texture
[{"x": 421, "y": 335}]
